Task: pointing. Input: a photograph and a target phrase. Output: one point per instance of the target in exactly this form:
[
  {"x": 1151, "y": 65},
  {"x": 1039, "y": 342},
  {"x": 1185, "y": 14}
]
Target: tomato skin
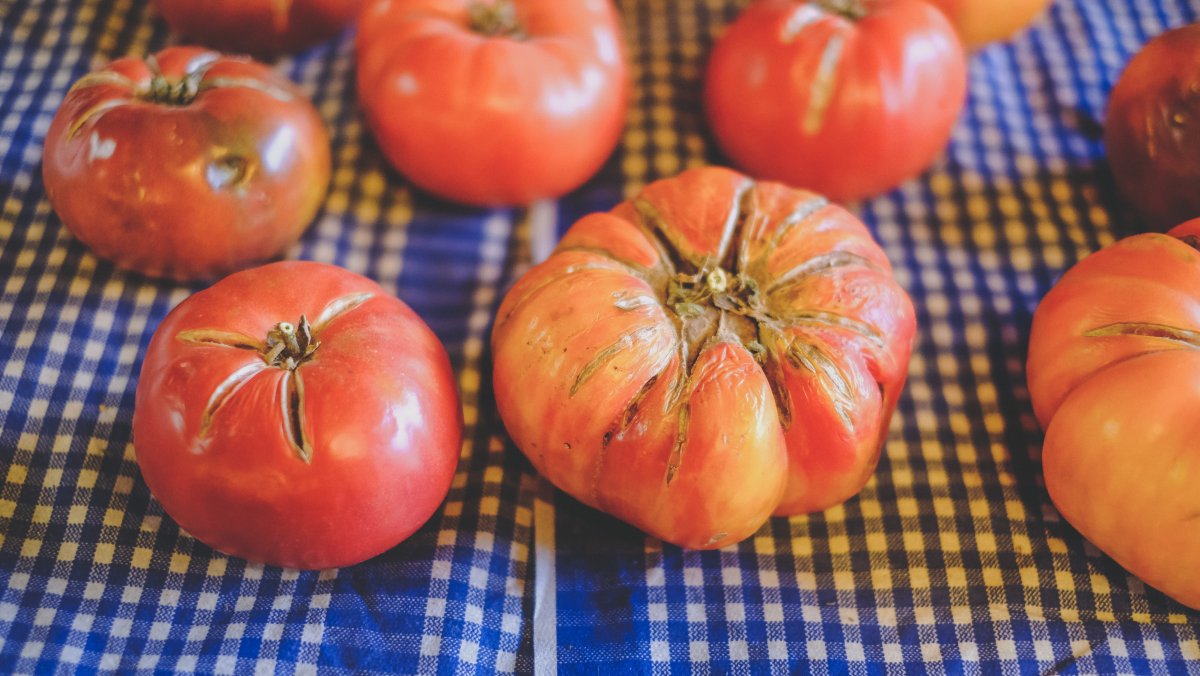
[
  {"x": 1152, "y": 131},
  {"x": 980, "y": 22},
  {"x": 625, "y": 365},
  {"x": 190, "y": 190},
  {"x": 1114, "y": 374},
  {"x": 493, "y": 120},
  {"x": 847, "y": 108},
  {"x": 260, "y": 27},
  {"x": 378, "y": 465}
]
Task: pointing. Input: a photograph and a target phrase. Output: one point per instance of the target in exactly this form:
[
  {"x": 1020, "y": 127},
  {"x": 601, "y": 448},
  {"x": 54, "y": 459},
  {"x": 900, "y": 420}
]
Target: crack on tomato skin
[
  {"x": 292, "y": 395},
  {"x": 224, "y": 391},
  {"x": 819, "y": 265},
  {"x": 732, "y": 235},
  {"x": 339, "y": 307},
  {"x": 653, "y": 226},
  {"x": 93, "y": 115},
  {"x": 604, "y": 355},
  {"x": 278, "y": 93},
  {"x": 216, "y": 337},
  {"x": 636, "y": 269},
  {"x": 675, "y": 461},
  {"x": 717, "y": 537},
  {"x": 545, "y": 283},
  {"x": 810, "y": 357},
  {"x": 837, "y": 321},
  {"x": 824, "y": 84},
  {"x": 1147, "y": 330}
]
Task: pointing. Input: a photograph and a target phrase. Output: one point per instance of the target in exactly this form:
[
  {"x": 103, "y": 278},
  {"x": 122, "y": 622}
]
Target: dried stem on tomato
[
  {"x": 288, "y": 347},
  {"x": 496, "y": 20}
]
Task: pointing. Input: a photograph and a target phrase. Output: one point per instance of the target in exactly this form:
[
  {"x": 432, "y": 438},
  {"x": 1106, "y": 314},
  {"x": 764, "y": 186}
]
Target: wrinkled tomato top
[{"x": 709, "y": 353}]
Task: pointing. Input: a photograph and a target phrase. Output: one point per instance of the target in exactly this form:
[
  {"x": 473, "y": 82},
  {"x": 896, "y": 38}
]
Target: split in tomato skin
[
  {"x": 705, "y": 355},
  {"x": 493, "y": 103},
  {"x": 296, "y": 414},
  {"x": 844, "y": 98},
  {"x": 1114, "y": 376},
  {"x": 186, "y": 165}
]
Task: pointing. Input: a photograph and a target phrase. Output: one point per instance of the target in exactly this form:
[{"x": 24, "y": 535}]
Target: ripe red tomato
[
  {"x": 982, "y": 21},
  {"x": 493, "y": 103},
  {"x": 297, "y": 415},
  {"x": 845, "y": 98},
  {"x": 1153, "y": 128},
  {"x": 186, "y": 165},
  {"x": 711, "y": 352},
  {"x": 1114, "y": 374},
  {"x": 262, "y": 27}
]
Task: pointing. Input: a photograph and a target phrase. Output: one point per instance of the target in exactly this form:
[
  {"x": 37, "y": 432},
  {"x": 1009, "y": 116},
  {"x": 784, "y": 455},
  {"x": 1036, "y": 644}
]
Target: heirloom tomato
[
  {"x": 845, "y": 97},
  {"x": 982, "y": 21},
  {"x": 703, "y": 356},
  {"x": 187, "y": 164},
  {"x": 296, "y": 414},
  {"x": 1114, "y": 374},
  {"x": 262, "y": 27},
  {"x": 493, "y": 102},
  {"x": 1153, "y": 128}
]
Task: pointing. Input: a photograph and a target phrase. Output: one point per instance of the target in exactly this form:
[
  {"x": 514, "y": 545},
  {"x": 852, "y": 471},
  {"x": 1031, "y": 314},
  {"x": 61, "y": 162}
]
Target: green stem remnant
[
  {"x": 496, "y": 19},
  {"x": 850, "y": 9},
  {"x": 289, "y": 346}
]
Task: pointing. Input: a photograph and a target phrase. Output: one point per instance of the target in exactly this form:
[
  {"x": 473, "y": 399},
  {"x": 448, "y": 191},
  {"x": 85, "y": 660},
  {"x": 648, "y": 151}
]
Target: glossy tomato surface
[
  {"x": 1153, "y": 128},
  {"x": 260, "y": 27},
  {"x": 1114, "y": 373},
  {"x": 982, "y": 21},
  {"x": 847, "y": 99},
  {"x": 296, "y": 414},
  {"x": 493, "y": 103},
  {"x": 711, "y": 352},
  {"x": 188, "y": 164}
]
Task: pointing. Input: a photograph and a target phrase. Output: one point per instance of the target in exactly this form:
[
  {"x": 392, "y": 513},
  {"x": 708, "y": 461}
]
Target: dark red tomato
[
  {"x": 843, "y": 97},
  {"x": 262, "y": 27},
  {"x": 1153, "y": 128},
  {"x": 186, "y": 165},
  {"x": 296, "y": 414},
  {"x": 497, "y": 102},
  {"x": 707, "y": 354}
]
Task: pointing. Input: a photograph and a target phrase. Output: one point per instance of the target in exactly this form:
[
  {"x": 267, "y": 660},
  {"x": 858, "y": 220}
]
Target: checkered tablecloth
[{"x": 952, "y": 560}]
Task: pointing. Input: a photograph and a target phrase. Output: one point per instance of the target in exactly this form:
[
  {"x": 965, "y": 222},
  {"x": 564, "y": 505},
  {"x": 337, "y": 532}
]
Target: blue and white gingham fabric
[{"x": 952, "y": 560}]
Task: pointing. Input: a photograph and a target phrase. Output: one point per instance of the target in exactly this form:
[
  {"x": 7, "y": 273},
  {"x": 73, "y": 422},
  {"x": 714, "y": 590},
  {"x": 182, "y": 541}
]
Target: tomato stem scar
[{"x": 496, "y": 20}]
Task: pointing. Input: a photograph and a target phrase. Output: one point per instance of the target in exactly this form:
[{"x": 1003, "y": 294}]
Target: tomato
[
  {"x": 1114, "y": 374},
  {"x": 262, "y": 27},
  {"x": 846, "y": 98},
  {"x": 711, "y": 352},
  {"x": 297, "y": 415},
  {"x": 1153, "y": 128},
  {"x": 982, "y": 21},
  {"x": 493, "y": 103},
  {"x": 188, "y": 164}
]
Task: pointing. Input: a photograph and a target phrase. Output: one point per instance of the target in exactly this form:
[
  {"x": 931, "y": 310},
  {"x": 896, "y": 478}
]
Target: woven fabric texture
[{"x": 952, "y": 560}]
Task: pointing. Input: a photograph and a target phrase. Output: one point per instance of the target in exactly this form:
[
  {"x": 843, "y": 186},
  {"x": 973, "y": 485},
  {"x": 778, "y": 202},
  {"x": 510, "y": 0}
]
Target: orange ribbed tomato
[
  {"x": 705, "y": 355},
  {"x": 1114, "y": 374},
  {"x": 982, "y": 21}
]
